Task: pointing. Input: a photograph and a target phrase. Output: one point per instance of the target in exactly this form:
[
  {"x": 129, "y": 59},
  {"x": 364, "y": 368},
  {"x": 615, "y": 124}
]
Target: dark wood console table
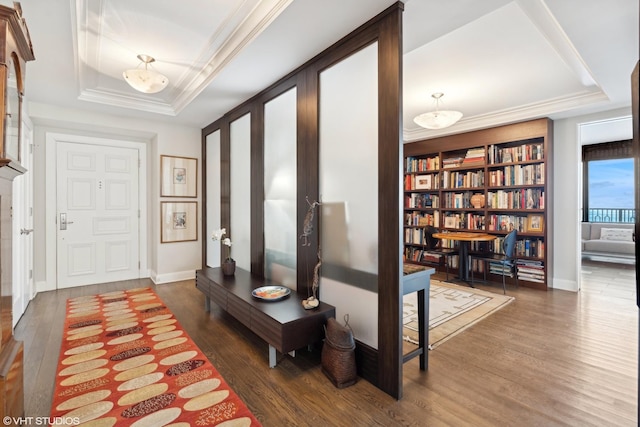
[{"x": 285, "y": 325}]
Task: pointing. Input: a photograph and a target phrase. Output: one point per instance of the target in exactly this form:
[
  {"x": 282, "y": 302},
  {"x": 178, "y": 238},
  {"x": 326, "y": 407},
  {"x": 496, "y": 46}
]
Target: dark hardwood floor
[{"x": 551, "y": 358}]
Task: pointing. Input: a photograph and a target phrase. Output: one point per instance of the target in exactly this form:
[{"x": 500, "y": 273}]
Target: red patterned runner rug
[{"x": 125, "y": 360}]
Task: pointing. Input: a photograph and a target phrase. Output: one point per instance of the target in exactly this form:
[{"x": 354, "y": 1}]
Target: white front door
[
  {"x": 23, "y": 281},
  {"x": 97, "y": 215}
]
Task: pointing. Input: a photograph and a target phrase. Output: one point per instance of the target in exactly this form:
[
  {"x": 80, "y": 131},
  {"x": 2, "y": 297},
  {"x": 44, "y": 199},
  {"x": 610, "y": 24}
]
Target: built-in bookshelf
[{"x": 492, "y": 180}]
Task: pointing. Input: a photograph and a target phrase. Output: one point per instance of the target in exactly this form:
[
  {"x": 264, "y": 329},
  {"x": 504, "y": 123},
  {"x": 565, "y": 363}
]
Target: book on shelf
[
  {"x": 474, "y": 156},
  {"x": 497, "y": 268},
  {"x": 520, "y": 153},
  {"x": 413, "y": 164},
  {"x": 530, "y": 270},
  {"x": 452, "y": 162}
]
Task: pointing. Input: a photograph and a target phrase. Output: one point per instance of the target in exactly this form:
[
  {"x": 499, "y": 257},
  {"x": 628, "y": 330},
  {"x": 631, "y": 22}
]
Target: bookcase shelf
[{"x": 510, "y": 167}]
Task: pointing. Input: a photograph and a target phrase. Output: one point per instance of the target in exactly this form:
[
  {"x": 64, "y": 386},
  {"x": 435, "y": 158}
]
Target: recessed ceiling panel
[
  {"x": 190, "y": 40},
  {"x": 497, "y": 63}
]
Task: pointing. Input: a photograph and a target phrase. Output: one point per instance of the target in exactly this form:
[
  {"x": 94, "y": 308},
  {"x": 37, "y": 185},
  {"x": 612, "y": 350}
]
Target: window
[{"x": 608, "y": 182}]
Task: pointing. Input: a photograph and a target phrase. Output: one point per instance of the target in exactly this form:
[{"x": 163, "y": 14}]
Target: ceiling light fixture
[
  {"x": 438, "y": 119},
  {"x": 145, "y": 80}
]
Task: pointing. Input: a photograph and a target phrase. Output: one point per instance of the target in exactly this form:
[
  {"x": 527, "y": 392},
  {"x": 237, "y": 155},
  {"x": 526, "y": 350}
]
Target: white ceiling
[{"x": 497, "y": 61}]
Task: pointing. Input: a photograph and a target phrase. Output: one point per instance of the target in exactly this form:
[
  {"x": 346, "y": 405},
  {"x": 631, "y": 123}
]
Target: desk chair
[
  {"x": 506, "y": 260},
  {"x": 434, "y": 246}
]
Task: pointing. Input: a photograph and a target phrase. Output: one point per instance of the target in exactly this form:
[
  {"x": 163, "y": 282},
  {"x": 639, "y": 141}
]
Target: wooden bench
[{"x": 285, "y": 325}]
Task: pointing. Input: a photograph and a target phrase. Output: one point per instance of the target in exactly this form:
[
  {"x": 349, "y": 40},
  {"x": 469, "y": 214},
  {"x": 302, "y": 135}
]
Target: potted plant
[{"x": 229, "y": 264}]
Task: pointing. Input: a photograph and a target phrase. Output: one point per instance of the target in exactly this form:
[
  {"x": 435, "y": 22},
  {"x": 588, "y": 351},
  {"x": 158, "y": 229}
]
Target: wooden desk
[
  {"x": 465, "y": 238},
  {"x": 285, "y": 325},
  {"x": 419, "y": 280}
]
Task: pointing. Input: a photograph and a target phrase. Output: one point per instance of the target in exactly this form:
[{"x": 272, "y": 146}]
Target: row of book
[
  {"x": 508, "y": 223},
  {"x": 477, "y": 156},
  {"x": 415, "y": 164},
  {"x": 533, "y": 248},
  {"x": 418, "y": 219},
  {"x": 421, "y": 201},
  {"x": 530, "y": 270},
  {"x": 462, "y": 179},
  {"x": 525, "y": 198},
  {"x": 452, "y": 162},
  {"x": 415, "y": 236},
  {"x": 521, "y": 153},
  {"x": 421, "y": 182},
  {"x": 420, "y": 255},
  {"x": 457, "y": 200},
  {"x": 468, "y": 221},
  {"x": 517, "y": 175},
  {"x": 474, "y": 156}
]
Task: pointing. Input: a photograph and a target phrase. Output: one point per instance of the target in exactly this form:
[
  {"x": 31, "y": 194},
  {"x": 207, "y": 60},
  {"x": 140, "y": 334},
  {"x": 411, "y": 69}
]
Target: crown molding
[{"x": 522, "y": 113}]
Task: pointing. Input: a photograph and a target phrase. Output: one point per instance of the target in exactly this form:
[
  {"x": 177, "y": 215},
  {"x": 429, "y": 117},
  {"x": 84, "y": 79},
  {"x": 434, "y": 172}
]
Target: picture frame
[
  {"x": 423, "y": 182},
  {"x": 450, "y": 222},
  {"x": 179, "y": 222},
  {"x": 178, "y": 176},
  {"x": 535, "y": 223}
]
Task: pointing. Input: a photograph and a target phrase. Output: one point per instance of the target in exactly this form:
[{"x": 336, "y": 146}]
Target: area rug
[
  {"x": 125, "y": 360},
  {"x": 452, "y": 309}
]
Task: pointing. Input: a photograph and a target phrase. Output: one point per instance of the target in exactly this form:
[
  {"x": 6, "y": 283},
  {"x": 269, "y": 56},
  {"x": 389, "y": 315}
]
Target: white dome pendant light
[
  {"x": 145, "y": 80},
  {"x": 438, "y": 119}
]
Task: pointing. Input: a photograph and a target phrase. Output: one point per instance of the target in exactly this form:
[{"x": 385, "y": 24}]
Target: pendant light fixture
[
  {"x": 438, "y": 119},
  {"x": 145, "y": 79}
]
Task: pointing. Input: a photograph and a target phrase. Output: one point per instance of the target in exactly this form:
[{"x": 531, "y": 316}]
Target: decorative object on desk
[
  {"x": 307, "y": 226},
  {"x": 271, "y": 293},
  {"x": 178, "y": 176},
  {"x": 179, "y": 221},
  {"x": 338, "y": 353},
  {"x": 229, "y": 264},
  {"x": 228, "y": 267},
  {"x": 105, "y": 372},
  {"x": 477, "y": 200},
  {"x": 313, "y": 301},
  {"x": 452, "y": 309}
]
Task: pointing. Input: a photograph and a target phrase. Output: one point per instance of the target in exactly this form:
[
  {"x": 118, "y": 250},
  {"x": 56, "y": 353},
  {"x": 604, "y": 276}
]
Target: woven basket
[{"x": 338, "y": 355}]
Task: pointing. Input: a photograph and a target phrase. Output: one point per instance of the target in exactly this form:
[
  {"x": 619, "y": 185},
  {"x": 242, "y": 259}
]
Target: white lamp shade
[
  {"x": 438, "y": 119},
  {"x": 145, "y": 80}
]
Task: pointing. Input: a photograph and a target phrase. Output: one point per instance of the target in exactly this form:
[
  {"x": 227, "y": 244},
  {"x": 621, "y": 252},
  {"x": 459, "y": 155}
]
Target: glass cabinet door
[{"x": 12, "y": 112}]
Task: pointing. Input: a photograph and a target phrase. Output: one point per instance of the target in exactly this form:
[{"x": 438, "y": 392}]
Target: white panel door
[
  {"x": 23, "y": 282},
  {"x": 97, "y": 214}
]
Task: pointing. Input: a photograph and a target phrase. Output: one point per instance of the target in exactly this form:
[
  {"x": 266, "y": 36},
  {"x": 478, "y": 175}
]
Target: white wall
[
  {"x": 567, "y": 187},
  {"x": 167, "y": 262}
]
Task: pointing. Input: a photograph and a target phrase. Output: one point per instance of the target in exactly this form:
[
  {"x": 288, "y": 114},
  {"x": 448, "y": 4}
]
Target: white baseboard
[
  {"x": 160, "y": 279},
  {"x": 44, "y": 286},
  {"x": 565, "y": 285}
]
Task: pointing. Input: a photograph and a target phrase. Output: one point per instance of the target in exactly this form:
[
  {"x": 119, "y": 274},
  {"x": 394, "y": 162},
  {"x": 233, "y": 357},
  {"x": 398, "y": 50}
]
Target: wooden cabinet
[
  {"x": 491, "y": 180},
  {"x": 15, "y": 50}
]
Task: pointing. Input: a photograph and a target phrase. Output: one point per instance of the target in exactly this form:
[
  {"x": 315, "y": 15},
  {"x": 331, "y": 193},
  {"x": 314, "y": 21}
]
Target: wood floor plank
[{"x": 550, "y": 358}]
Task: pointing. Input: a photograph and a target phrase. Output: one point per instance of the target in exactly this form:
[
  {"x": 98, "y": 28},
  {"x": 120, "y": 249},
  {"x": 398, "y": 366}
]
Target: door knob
[
  {"x": 26, "y": 231},
  {"x": 64, "y": 222}
]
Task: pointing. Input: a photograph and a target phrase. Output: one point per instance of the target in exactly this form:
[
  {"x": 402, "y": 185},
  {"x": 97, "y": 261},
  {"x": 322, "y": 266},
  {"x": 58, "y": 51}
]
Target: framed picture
[
  {"x": 179, "y": 221},
  {"x": 535, "y": 223},
  {"x": 178, "y": 176},
  {"x": 450, "y": 222},
  {"x": 423, "y": 182}
]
